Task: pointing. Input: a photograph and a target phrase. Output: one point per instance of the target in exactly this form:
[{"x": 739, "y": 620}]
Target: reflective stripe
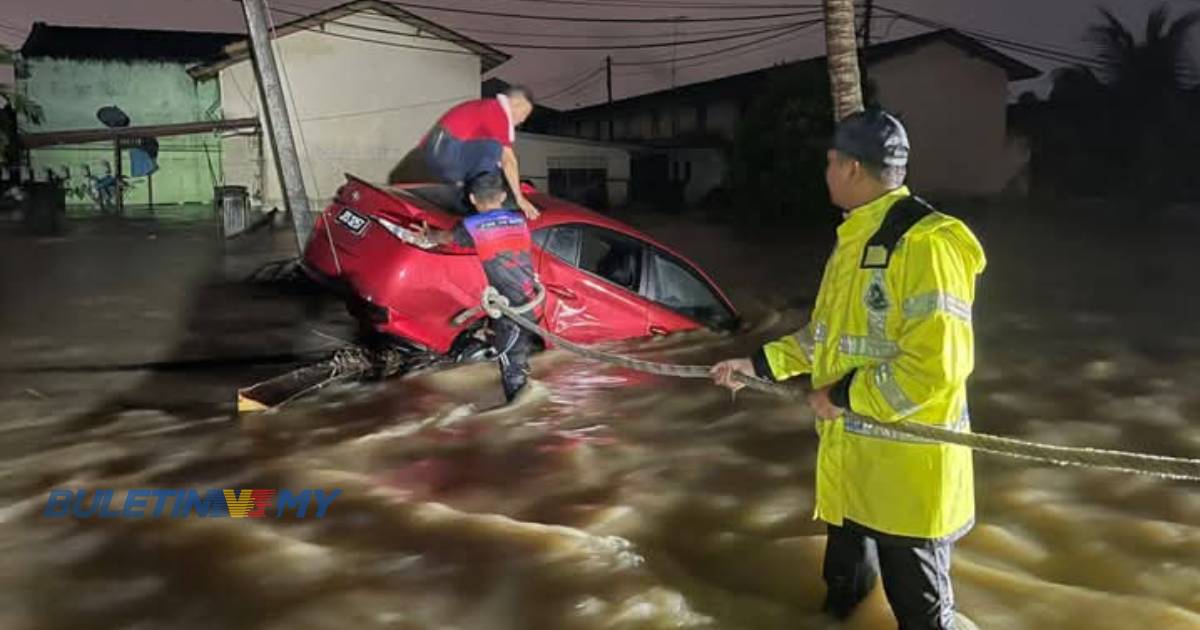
[
  {"x": 805, "y": 340},
  {"x": 868, "y": 347},
  {"x": 886, "y": 382},
  {"x": 927, "y": 303},
  {"x": 820, "y": 332},
  {"x": 861, "y": 425}
]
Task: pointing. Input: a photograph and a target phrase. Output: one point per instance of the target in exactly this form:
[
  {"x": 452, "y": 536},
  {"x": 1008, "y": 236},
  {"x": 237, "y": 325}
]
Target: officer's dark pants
[
  {"x": 513, "y": 347},
  {"x": 916, "y": 578}
]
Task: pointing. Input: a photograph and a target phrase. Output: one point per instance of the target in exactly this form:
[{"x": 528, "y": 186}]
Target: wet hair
[
  {"x": 521, "y": 91},
  {"x": 487, "y": 188}
]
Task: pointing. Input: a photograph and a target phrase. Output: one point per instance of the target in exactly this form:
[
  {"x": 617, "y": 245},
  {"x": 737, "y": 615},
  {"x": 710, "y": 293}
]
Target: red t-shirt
[{"x": 483, "y": 119}]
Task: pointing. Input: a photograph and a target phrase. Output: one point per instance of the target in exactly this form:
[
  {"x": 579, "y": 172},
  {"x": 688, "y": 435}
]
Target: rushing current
[{"x": 604, "y": 498}]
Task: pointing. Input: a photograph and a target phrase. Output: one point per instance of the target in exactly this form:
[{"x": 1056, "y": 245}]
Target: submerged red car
[{"x": 604, "y": 280}]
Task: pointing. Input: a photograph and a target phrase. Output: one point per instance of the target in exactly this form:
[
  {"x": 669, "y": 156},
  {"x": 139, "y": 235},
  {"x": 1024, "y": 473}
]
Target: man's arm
[
  {"x": 937, "y": 350},
  {"x": 456, "y": 236},
  {"x": 512, "y": 173},
  {"x": 778, "y": 360}
]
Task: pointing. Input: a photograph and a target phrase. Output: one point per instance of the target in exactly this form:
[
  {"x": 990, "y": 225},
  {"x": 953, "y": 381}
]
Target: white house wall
[
  {"x": 356, "y": 107},
  {"x": 954, "y": 107},
  {"x": 538, "y": 153}
]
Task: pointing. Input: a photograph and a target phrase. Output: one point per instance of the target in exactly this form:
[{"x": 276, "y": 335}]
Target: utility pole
[
  {"x": 868, "y": 5},
  {"x": 674, "y": 109},
  {"x": 608, "y": 71},
  {"x": 287, "y": 162}
]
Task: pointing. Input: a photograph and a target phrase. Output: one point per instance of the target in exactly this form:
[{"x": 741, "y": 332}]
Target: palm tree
[
  {"x": 1157, "y": 65},
  {"x": 841, "y": 46},
  {"x": 1146, "y": 101}
]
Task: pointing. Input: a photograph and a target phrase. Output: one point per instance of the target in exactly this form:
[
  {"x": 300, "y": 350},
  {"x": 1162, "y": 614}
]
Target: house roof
[
  {"x": 1015, "y": 69},
  {"x": 122, "y": 44},
  {"x": 240, "y": 49}
]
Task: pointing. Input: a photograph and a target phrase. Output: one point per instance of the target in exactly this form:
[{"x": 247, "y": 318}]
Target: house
[
  {"x": 589, "y": 172},
  {"x": 950, "y": 90},
  {"x": 364, "y": 81},
  {"x": 73, "y": 72}
]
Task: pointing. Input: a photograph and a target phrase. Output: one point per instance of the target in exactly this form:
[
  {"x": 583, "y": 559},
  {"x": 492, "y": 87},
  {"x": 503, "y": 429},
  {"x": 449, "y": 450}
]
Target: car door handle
[
  {"x": 561, "y": 291},
  {"x": 659, "y": 331}
]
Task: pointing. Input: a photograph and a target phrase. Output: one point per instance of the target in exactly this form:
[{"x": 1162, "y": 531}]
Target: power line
[
  {"x": 791, "y": 29},
  {"x": 558, "y": 35},
  {"x": 565, "y": 18},
  {"x": 736, "y": 52},
  {"x": 717, "y": 6},
  {"x": 692, "y": 42},
  {"x": 574, "y": 86},
  {"x": 1034, "y": 50},
  {"x": 385, "y": 43},
  {"x": 741, "y": 50}
]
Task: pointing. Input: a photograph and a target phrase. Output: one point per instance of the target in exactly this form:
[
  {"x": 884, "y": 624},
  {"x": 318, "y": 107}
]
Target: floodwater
[{"x": 605, "y": 499}]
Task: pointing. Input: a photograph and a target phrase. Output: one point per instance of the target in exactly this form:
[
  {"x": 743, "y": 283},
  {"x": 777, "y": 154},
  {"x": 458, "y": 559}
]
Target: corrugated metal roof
[{"x": 123, "y": 44}]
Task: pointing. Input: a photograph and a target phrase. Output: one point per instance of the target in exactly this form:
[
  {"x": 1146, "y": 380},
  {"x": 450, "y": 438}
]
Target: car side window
[
  {"x": 673, "y": 284},
  {"x": 560, "y": 240},
  {"x": 612, "y": 256}
]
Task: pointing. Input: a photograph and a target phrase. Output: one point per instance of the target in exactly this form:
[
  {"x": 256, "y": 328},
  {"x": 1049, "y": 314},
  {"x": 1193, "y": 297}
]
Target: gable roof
[
  {"x": 1017, "y": 70},
  {"x": 122, "y": 44},
  {"x": 240, "y": 49},
  {"x": 747, "y": 81}
]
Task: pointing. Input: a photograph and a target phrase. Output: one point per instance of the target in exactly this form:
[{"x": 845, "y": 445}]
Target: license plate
[{"x": 353, "y": 221}]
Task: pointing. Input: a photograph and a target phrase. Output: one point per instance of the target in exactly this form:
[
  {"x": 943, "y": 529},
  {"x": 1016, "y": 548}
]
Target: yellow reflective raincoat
[{"x": 892, "y": 328}]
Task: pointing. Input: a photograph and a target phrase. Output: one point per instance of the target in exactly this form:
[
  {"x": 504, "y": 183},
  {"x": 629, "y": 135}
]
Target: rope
[{"x": 1137, "y": 463}]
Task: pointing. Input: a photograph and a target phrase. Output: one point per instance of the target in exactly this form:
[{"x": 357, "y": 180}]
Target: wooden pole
[{"x": 270, "y": 87}]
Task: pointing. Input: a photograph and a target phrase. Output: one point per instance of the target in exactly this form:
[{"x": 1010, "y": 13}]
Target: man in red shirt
[{"x": 475, "y": 138}]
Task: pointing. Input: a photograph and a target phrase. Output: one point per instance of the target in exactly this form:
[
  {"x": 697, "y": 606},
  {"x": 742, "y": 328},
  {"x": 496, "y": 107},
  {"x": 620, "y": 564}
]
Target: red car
[{"x": 604, "y": 280}]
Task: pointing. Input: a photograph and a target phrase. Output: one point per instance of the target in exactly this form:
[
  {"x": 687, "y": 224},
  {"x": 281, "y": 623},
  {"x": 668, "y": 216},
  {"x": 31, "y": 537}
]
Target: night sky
[{"x": 1059, "y": 24}]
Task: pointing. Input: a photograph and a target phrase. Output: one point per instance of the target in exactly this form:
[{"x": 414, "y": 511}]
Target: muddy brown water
[{"x": 604, "y": 499}]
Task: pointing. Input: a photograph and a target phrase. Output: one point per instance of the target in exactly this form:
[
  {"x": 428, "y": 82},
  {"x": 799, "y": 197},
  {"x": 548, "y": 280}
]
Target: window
[
  {"x": 702, "y": 116},
  {"x": 673, "y": 284},
  {"x": 562, "y": 241},
  {"x": 655, "y": 124},
  {"x": 611, "y": 256},
  {"x": 583, "y": 185}
]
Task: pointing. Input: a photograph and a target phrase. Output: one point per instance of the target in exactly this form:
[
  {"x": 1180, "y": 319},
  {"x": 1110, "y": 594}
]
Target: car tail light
[{"x": 414, "y": 238}]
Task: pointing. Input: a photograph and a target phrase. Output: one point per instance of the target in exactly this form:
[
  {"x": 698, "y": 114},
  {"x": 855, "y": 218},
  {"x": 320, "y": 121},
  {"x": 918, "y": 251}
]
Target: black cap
[
  {"x": 486, "y": 186},
  {"x": 873, "y": 137}
]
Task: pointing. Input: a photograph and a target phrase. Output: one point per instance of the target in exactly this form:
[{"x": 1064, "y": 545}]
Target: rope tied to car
[{"x": 1138, "y": 463}]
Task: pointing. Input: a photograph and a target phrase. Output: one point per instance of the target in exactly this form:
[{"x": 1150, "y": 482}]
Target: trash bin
[
  {"x": 45, "y": 208},
  {"x": 232, "y": 204}
]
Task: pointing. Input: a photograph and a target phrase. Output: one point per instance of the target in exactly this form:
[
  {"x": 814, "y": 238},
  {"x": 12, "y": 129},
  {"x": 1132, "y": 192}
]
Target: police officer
[{"x": 889, "y": 339}]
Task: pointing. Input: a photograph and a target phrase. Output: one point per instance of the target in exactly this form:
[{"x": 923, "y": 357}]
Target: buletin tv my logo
[{"x": 210, "y": 503}]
